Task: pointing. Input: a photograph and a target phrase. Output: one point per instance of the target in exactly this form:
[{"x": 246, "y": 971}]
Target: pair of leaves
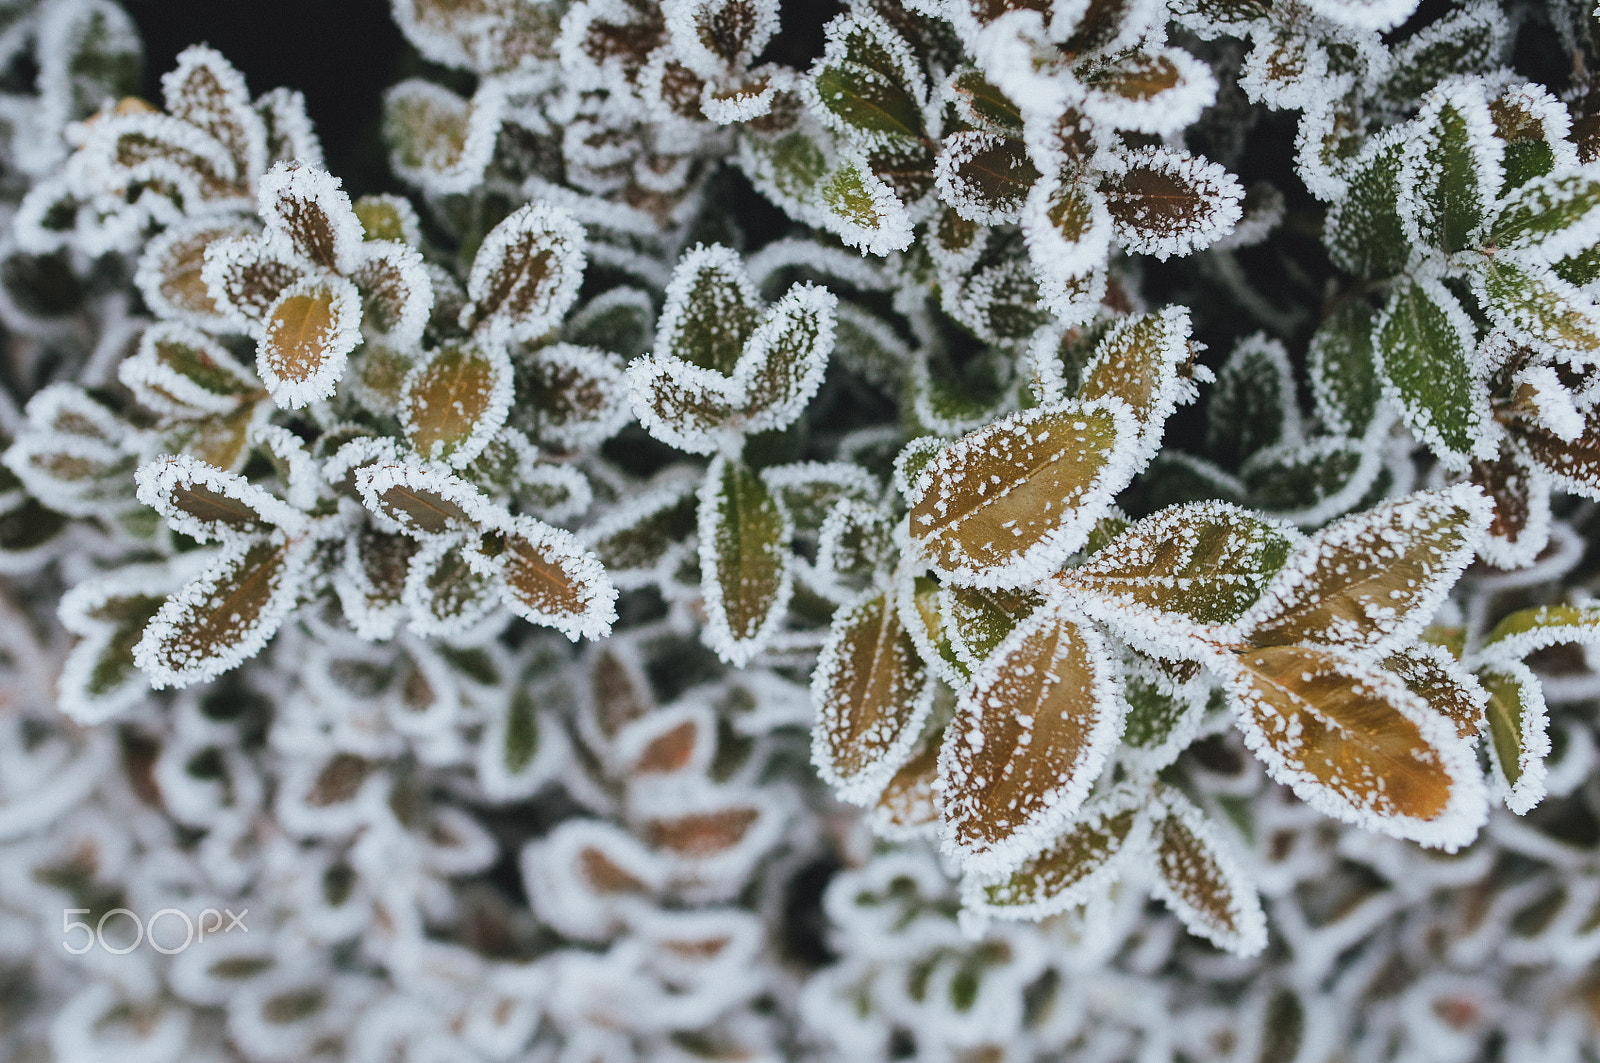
[{"x": 722, "y": 367}]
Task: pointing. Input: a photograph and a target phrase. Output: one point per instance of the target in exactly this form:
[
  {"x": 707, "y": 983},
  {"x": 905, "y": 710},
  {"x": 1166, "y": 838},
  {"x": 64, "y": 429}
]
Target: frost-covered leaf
[
  {"x": 711, "y": 309},
  {"x": 169, "y": 274},
  {"x": 637, "y": 535},
  {"x": 578, "y": 396},
  {"x": 1528, "y": 631},
  {"x": 746, "y": 575},
  {"x": 1068, "y": 229},
  {"x": 868, "y": 82},
  {"x": 453, "y": 403},
  {"x": 182, "y": 372},
  {"x": 1309, "y": 483},
  {"x": 204, "y": 90},
  {"x": 1144, "y": 361},
  {"x": 1150, "y": 91},
  {"x": 984, "y": 176},
  {"x": 1535, "y": 127},
  {"x": 1574, "y": 465},
  {"x": 1426, "y": 354},
  {"x": 526, "y": 274},
  {"x": 1253, "y": 405},
  {"x": 1431, "y": 673},
  {"x": 108, "y": 613},
  {"x": 309, "y": 331},
  {"x": 863, "y": 209},
  {"x": 1520, "y": 529},
  {"x": 227, "y": 613},
  {"x": 1165, "y": 711},
  {"x": 1537, "y": 308},
  {"x": 245, "y": 275},
  {"x": 439, "y": 141},
  {"x": 207, "y": 503},
  {"x": 372, "y": 579},
  {"x": 1450, "y": 171},
  {"x": 1373, "y": 579},
  {"x": 981, "y": 104},
  {"x": 1344, "y": 378},
  {"x": 1006, "y": 505},
  {"x": 448, "y": 590},
  {"x": 854, "y": 541},
  {"x": 872, "y": 695},
  {"x": 419, "y": 501},
  {"x": 1364, "y": 232},
  {"x": 908, "y": 806},
  {"x": 976, "y": 620},
  {"x": 388, "y": 217},
  {"x": 1200, "y": 879},
  {"x": 396, "y": 293},
  {"x": 1165, "y": 202},
  {"x": 809, "y": 490},
  {"x": 69, "y": 454},
  {"x": 551, "y": 579},
  {"x": 1551, "y": 217},
  {"x": 1465, "y": 40},
  {"x": 1207, "y": 561},
  {"x": 1354, "y": 743},
  {"x": 1028, "y": 739},
  {"x": 308, "y": 207},
  {"x": 713, "y": 37},
  {"x": 1519, "y": 738},
  {"x": 1088, "y": 856},
  {"x": 784, "y": 359}
]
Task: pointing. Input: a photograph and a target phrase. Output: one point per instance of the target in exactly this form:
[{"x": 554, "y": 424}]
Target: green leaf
[
  {"x": 1253, "y": 405},
  {"x": 1554, "y": 216},
  {"x": 1519, "y": 738},
  {"x": 1451, "y": 172},
  {"x": 744, "y": 560},
  {"x": 711, "y": 310},
  {"x": 1343, "y": 367},
  {"x": 1425, "y": 344},
  {"x": 977, "y": 621},
  {"x": 865, "y": 81},
  {"x": 1309, "y": 482},
  {"x": 1364, "y": 233},
  {"x": 1527, "y": 631},
  {"x": 984, "y": 106}
]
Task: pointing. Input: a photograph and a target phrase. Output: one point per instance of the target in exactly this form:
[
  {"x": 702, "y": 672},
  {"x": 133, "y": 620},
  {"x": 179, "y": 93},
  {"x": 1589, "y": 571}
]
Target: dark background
[{"x": 341, "y": 54}]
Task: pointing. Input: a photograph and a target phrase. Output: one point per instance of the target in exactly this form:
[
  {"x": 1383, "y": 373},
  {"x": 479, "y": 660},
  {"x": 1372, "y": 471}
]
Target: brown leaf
[
  {"x": 1373, "y": 578},
  {"x": 1433, "y": 675},
  {"x": 1028, "y": 739},
  {"x": 872, "y": 694},
  {"x": 1007, "y": 504},
  {"x": 452, "y": 404},
  {"x": 1356, "y": 744},
  {"x": 1202, "y": 884},
  {"x": 551, "y": 579}
]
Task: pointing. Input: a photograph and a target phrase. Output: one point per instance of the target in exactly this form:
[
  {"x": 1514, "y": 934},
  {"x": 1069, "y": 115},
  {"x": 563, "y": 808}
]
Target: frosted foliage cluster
[{"x": 976, "y": 532}]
